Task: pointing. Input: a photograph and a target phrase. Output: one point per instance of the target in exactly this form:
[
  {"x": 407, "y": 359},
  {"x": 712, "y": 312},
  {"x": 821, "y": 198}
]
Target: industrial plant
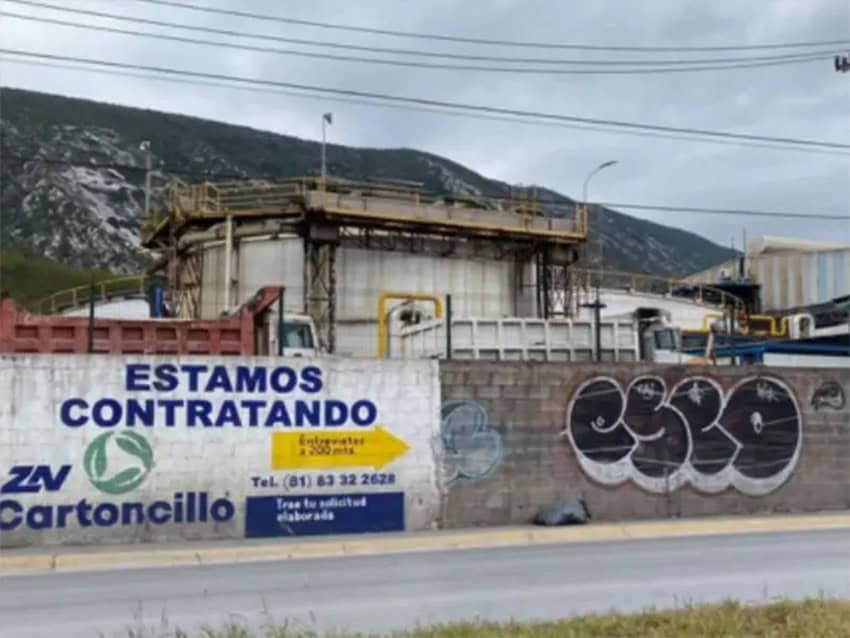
[
  {"x": 346, "y": 252},
  {"x": 383, "y": 268}
]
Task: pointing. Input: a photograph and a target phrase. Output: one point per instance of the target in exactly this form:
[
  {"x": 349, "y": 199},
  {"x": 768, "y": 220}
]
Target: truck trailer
[{"x": 255, "y": 328}]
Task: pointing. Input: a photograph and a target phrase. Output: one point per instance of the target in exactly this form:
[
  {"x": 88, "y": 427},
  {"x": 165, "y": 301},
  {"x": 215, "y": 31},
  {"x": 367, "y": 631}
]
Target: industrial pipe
[
  {"x": 280, "y": 326},
  {"x": 773, "y": 331},
  {"x": 448, "y": 327},
  {"x": 405, "y": 296},
  {"x": 228, "y": 262},
  {"x": 242, "y": 231}
]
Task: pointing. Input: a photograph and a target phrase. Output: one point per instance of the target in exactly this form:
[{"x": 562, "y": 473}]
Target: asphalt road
[{"x": 380, "y": 593}]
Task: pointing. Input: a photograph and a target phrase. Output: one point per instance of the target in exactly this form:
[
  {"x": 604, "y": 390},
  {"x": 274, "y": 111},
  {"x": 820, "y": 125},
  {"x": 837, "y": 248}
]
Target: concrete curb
[{"x": 11, "y": 562}]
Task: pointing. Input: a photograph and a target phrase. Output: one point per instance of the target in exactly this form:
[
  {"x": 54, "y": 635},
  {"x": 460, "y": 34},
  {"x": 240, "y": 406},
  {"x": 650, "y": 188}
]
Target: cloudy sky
[{"x": 808, "y": 100}]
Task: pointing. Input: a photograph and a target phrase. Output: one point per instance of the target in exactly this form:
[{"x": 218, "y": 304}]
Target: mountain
[{"x": 72, "y": 181}]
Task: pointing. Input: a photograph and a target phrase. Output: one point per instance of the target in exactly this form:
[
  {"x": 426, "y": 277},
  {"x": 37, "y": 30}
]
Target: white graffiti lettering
[{"x": 748, "y": 438}]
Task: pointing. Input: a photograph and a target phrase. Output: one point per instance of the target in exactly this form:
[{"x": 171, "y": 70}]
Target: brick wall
[{"x": 524, "y": 406}]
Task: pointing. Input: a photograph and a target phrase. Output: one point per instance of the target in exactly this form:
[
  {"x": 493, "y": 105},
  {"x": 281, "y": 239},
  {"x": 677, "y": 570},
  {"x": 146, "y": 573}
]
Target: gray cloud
[{"x": 808, "y": 101}]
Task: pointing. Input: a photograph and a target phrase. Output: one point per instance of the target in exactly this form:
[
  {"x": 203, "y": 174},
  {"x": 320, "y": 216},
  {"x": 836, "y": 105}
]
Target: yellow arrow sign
[{"x": 327, "y": 450}]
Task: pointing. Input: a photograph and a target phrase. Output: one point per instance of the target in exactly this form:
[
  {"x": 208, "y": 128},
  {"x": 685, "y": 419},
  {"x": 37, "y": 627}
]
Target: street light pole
[
  {"x": 601, "y": 167},
  {"x": 596, "y": 170},
  {"x": 597, "y": 305},
  {"x": 146, "y": 147},
  {"x": 326, "y": 118}
]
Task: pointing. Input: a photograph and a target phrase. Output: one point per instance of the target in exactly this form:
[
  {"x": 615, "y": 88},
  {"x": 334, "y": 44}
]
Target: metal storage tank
[
  {"x": 258, "y": 262},
  {"x": 479, "y": 287}
]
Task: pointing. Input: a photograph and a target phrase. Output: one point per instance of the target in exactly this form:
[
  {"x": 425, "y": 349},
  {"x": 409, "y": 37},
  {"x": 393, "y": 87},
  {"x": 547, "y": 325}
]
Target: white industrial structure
[
  {"x": 479, "y": 285},
  {"x": 791, "y": 273},
  {"x": 347, "y": 253}
]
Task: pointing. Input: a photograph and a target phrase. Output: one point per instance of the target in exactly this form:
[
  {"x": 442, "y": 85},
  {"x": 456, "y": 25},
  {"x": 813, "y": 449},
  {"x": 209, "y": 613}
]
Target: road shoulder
[{"x": 60, "y": 558}]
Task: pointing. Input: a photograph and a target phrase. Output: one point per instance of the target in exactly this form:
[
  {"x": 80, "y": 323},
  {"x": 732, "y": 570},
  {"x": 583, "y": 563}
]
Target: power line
[
  {"x": 164, "y": 169},
  {"x": 422, "y": 109},
  {"x": 412, "y": 52},
  {"x": 555, "y": 117},
  {"x": 744, "y": 212},
  {"x": 421, "y": 65},
  {"x": 486, "y": 41}
]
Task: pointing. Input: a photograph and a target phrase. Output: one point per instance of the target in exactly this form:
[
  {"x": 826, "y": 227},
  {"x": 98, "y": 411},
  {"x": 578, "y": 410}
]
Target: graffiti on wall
[
  {"x": 694, "y": 432},
  {"x": 471, "y": 448},
  {"x": 829, "y": 395}
]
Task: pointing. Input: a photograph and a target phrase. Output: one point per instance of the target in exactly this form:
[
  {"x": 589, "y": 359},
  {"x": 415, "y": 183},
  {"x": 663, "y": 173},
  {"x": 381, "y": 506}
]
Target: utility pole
[
  {"x": 842, "y": 63},
  {"x": 327, "y": 118},
  {"x": 146, "y": 147},
  {"x": 90, "y": 335},
  {"x": 597, "y": 307}
]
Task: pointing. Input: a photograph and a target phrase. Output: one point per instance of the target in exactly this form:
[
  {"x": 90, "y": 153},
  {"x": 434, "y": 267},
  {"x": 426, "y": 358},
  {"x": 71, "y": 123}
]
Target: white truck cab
[
  {"x": 300, "y": 338},
  {"x": 661, "y": 343}
]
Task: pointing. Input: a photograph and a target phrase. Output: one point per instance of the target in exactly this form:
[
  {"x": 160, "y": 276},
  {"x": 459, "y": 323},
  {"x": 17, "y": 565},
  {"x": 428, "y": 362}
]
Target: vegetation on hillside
[
  {"x": 72, "y": 176},
  {"x": 29, "y": 279}
]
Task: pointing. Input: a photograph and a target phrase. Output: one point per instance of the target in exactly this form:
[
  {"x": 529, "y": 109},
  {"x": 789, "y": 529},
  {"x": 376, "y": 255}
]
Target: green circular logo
[{"x": 130, "y": 469}]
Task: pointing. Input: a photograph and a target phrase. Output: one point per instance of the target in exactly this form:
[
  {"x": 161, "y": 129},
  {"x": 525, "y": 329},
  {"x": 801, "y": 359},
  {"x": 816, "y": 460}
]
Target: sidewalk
[{"x": 64, "y": 558}]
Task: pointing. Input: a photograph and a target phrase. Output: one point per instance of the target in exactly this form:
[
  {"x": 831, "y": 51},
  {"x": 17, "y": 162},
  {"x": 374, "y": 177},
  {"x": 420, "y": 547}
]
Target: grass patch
[
  {"x": 816, "y": 618},
  {"x": 28, "y": 279}
]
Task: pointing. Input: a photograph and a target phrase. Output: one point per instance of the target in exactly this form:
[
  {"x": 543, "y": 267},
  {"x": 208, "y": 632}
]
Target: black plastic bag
[{"x": 571, "y": 512}]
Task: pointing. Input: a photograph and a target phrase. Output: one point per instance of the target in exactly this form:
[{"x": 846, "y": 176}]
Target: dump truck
[
  {"x": 521, "y": 339},
  {"x": 253, "y": 329}
]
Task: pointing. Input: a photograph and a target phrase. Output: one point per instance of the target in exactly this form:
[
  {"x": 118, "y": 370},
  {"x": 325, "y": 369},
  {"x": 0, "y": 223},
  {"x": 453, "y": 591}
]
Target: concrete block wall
[
  {"x": 146, "y": 449},
  {"x": 73, "y": 471},
  {"x": 524, "y": 453}
]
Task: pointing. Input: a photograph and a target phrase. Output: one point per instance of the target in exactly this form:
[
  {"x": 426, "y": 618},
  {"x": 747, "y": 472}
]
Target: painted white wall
[{"x": 220, "y": 461}]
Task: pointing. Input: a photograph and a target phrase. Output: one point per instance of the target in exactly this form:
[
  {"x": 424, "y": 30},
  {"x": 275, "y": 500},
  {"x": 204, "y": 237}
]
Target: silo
[{"x": 480, "y": 287}]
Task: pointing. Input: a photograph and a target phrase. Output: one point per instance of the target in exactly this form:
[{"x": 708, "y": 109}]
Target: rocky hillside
[{"x": 72, "y": 177}]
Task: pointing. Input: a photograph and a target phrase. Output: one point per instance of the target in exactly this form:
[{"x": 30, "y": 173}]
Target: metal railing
[
  {"x": 587, "y": 279},
  {"x": 267, "y": 197},
  {"x": 103, "y": 290}
]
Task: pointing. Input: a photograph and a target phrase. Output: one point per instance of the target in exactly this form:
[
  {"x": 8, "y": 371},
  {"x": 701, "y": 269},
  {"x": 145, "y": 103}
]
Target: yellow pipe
[
  {"x": 706, "y": 320},
  {"x": 382, "y": 313},
  {"x": 770, "y": 320}
]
